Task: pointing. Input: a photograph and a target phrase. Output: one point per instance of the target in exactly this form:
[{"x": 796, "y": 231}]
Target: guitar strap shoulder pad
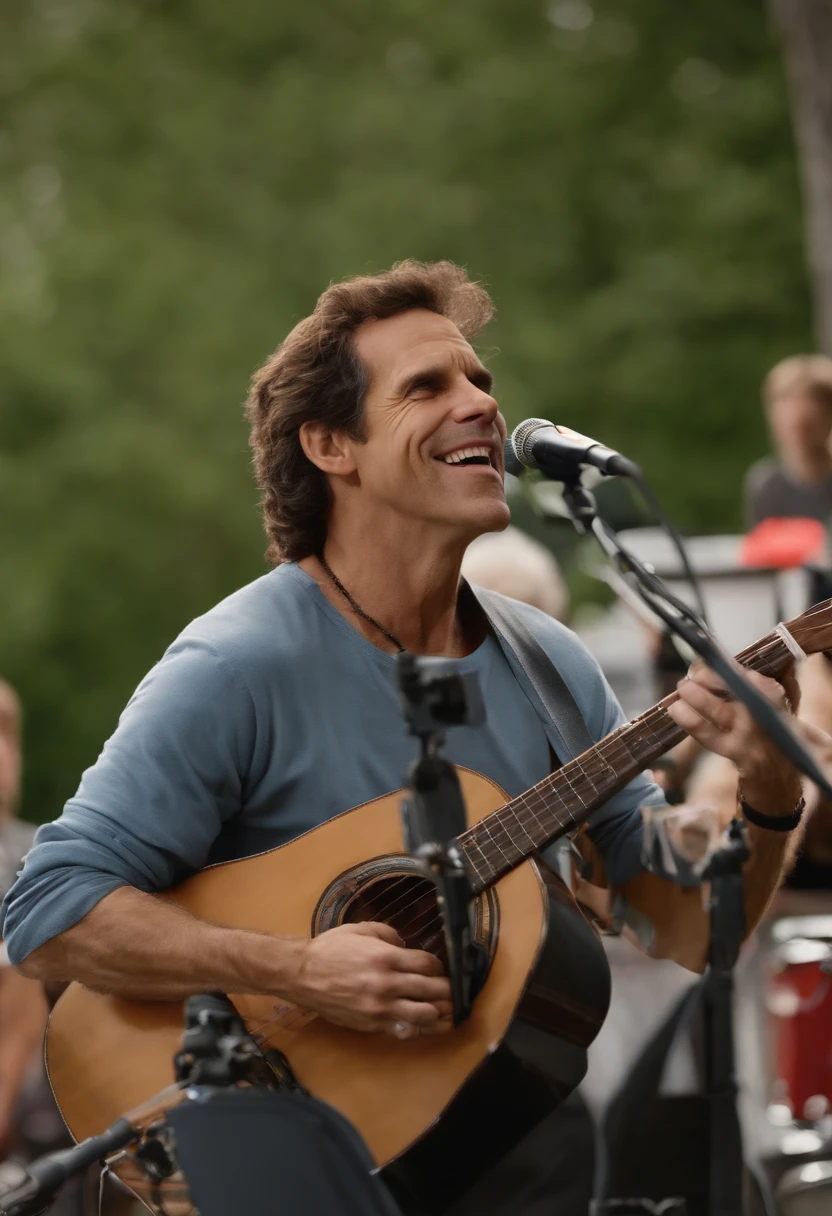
[{"x": 517, "y": 640}]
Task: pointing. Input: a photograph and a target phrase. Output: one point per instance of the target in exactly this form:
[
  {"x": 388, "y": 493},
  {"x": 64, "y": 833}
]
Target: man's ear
[{"x": 330, "y": 450}]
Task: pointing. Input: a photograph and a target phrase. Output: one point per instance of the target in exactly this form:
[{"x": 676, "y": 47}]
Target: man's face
[
  {"x": 428, "y": 403},
  {"x": 799, "y": 424}
]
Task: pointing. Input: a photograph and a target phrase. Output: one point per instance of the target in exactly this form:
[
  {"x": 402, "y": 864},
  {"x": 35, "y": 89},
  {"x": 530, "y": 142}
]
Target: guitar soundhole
[
  {"x": 406, "y": 902},
  {"x": 394, "y": 891}
]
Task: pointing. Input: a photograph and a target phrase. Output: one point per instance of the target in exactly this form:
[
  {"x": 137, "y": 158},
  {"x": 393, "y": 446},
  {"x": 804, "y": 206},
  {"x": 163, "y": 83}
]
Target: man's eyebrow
[
  {"x": 476, "y": 372},
  {"x": 430, "y": 371},
  {"x": 482, "y": 377}
]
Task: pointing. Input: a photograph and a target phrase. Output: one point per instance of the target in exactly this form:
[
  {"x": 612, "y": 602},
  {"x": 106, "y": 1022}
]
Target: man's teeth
[{"x": 466, "y": 453}]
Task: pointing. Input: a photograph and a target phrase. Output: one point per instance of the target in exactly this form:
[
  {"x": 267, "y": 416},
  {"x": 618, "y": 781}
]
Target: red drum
[{"x": 799, "y": 1000}]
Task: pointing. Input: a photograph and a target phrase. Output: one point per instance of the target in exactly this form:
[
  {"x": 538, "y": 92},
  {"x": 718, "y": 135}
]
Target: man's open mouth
[{"x": 476, "y": 454}]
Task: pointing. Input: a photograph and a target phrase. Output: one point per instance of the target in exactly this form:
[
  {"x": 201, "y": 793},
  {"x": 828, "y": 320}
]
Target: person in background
[
  {"x": 514, "y": 564},
  {"x": 797, "y": 395},
  {"x": 22, "y": 1003}
]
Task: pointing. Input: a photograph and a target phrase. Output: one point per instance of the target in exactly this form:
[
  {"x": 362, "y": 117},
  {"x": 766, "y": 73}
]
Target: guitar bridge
[{"x": 282, "y": 1070}]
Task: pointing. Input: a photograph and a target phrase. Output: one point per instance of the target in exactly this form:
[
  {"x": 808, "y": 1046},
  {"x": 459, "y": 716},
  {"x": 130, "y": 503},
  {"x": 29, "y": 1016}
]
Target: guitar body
[{"x": 547, "y": 983}]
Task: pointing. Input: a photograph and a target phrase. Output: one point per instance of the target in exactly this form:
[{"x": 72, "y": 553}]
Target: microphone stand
[
  {"x": 684, "y": 623},
  {"x": 724, "y": 870},
  {"x": 434, "y": 695},
  {"x": 217, "y": 1052}
]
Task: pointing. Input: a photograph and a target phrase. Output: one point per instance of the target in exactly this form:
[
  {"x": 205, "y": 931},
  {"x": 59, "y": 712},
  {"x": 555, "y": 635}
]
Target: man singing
[{"x": 378, "y": 447}]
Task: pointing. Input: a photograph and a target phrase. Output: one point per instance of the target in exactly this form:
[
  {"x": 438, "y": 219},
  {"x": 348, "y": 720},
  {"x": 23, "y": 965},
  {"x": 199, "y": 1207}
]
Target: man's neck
[
  {"x": 808, "y": 468},
  {"x": 412, "y": 590}
]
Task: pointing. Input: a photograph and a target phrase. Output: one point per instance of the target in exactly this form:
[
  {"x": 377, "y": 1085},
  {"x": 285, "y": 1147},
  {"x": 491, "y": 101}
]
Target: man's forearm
[
  {"x": 136, "y": 945},
  {"x": 772, "y": 855}
]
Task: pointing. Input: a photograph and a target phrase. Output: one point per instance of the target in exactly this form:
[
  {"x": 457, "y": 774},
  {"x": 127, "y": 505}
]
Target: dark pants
[{"x": 549, "y": 1173}]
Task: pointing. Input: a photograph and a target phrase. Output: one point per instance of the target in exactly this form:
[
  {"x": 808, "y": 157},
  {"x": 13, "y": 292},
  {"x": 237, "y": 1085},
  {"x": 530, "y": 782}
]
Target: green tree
[{"x": 179, "y": 181}]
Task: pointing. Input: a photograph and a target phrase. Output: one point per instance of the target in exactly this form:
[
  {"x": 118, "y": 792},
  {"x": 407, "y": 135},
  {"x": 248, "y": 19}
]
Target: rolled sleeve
[{"x": 149, "y": 809}]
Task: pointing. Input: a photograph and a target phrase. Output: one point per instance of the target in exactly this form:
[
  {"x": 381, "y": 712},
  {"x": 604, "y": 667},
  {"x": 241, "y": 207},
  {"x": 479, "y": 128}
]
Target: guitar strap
[
  {"x": 517, "y": 641},
  {"x": 559, "y": 708}
]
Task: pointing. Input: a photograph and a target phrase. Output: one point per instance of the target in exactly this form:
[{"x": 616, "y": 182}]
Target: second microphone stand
[
  {"x": 686, "y": 625},
  {"x": 725, "y": 868}
]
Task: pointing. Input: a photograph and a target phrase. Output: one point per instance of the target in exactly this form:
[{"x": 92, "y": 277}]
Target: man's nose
[{"x": 474, "y": 405}]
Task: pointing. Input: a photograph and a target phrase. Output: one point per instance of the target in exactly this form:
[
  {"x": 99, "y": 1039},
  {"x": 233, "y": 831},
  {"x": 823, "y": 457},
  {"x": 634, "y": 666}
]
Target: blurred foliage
[{"x": 179, "y": 180}]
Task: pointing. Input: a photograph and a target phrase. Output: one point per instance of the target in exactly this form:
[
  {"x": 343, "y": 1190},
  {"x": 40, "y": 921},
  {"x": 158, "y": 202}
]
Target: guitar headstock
[{"x": 812, "y": 630}]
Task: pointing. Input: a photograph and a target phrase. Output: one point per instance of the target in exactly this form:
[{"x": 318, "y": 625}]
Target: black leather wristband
[{"x": 773, "y": 823}]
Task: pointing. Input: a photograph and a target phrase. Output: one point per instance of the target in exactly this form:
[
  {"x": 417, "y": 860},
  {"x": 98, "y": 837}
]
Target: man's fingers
[
  {"x": 418, "y": 962},
  {"x": 698, "y": 673},
  {"x": 707, "y": 704},
  {"x": 445, "y": 1009},
  {"x": 375, "y": 928},
  {"x": 774, "y": 691},
  {"x": 420, "y": 1015},
  {"x": 703, "y": 732},
  {"x": 791, "y": 687},
  {"x": 422, "y": 988},
  {"x": 783, "y": 692}
]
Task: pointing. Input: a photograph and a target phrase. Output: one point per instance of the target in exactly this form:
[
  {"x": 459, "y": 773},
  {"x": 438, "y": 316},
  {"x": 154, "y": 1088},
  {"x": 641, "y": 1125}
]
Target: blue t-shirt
[{"x": 266, "y": 717}]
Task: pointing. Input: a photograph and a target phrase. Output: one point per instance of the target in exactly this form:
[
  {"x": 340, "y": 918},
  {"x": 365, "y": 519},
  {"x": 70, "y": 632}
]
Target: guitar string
[
  {"x": 496, "y": 820},
  {"x": 656, "y": 716},
  {"x": 613, "y": 754},
  {"x": 407, "y": 930},
  {"x": 610, "y": 755},
  {"x": 653, "y": 718}
]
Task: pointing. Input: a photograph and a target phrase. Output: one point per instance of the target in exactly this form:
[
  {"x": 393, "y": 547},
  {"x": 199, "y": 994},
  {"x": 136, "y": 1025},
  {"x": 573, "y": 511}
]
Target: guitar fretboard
[{"x": 567, "y": 797}]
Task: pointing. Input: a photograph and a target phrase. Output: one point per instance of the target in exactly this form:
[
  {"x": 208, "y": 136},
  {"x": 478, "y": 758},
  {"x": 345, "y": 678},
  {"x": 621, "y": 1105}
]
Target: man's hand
[
  {"x": 361, "y": 976},
  {"x": 705, "y": 709}
]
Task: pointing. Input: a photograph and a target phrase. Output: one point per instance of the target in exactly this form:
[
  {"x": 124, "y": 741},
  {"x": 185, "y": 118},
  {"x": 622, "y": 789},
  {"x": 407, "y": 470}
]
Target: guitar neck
[{"x": 566, "y": 798}]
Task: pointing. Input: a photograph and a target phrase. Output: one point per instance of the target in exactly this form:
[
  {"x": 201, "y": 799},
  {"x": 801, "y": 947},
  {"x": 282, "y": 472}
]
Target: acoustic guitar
[{"x": 545, "y": 993}]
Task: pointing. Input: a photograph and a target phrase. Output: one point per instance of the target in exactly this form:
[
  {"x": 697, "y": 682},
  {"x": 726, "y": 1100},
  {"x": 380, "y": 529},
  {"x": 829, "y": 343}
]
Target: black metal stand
[
  {"x": 724, "y": 871},
  {"x": 434, "y": 696},
  {"x": 684, "y": 623},
  {"x": 216, "y": 1051}
]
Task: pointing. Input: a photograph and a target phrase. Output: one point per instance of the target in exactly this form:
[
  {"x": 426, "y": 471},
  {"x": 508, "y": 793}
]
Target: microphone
[{"x": 559, "y": 452}]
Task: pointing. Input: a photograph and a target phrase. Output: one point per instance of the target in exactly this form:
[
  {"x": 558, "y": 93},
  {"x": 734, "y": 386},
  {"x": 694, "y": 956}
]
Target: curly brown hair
[{"x": 316, "y": 375}]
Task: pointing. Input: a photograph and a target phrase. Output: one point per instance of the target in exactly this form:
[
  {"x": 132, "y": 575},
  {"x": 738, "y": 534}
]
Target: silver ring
[{"x": 402, "y": 1030}]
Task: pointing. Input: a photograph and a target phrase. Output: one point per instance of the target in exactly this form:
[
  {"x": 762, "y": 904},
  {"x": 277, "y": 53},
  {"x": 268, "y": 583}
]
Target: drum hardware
[
  {"x": 798, "y": 999},
  {"x": 806, "y": 1190}
]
